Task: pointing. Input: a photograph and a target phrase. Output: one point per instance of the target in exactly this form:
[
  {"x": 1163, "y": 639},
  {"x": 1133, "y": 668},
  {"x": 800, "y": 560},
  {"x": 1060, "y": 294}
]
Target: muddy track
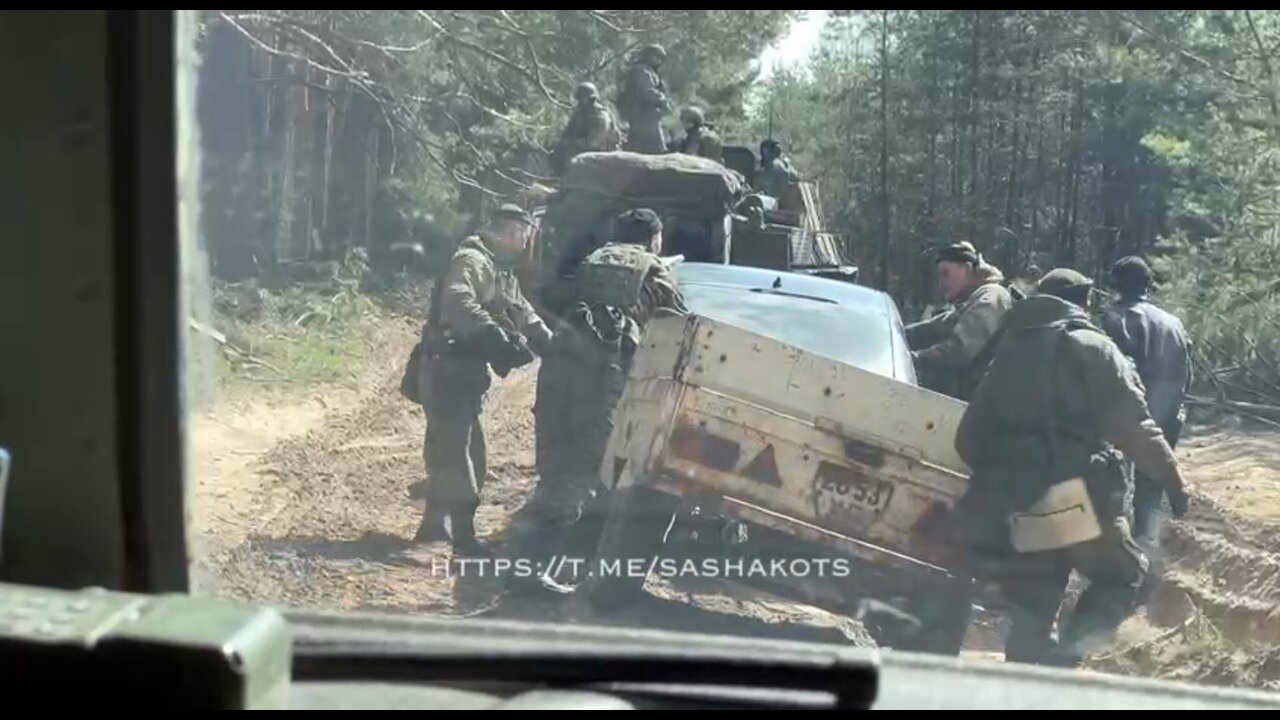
[
  {"x": 307, "y": 502},
  {"x": 1230, "y": 578},
  {"x": 332, "y": 518},
  {"x": 1216, "y": 618}
]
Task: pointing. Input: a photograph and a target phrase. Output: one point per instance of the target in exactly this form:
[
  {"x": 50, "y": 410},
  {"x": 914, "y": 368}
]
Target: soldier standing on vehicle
[
  {"x": 591, "y": 128},
  {"x": 776, "y": 176},
  {"x": 483, "y": 322},
  {"x": 1161, "y": 352},
  {"x": 618, "y": 289},
  {"x": 700, "y": 138},
  {"x": 1048, "y": 492},
  {"x": 947, "y": 348},
  {"x": 643, "y": 102}
]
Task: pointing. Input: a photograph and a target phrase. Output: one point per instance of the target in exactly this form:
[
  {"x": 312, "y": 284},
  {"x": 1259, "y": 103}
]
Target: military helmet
[
  {"x": 770, "y": 145},
  {"x": 586, "y": 91},
  {"x": 958, "y": 252},
  {"x": 1061, "y": 282},
  {"x": 511, "y": 211},
  {"x": 693, "y": 116},
  {"x": 652, "y": 52}
]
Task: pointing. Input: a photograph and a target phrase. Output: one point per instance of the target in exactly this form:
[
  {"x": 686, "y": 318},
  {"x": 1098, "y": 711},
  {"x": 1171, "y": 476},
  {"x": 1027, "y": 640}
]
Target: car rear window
[{"x": 852, "y": 334}]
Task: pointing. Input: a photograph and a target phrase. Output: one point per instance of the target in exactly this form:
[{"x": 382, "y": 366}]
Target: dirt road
[{"x": 302, "y": 497}]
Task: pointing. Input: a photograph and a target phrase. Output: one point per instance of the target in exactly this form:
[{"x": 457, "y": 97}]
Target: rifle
[
  {"x": 507, "y": 348},
  {"x": 413, "y": 381}
]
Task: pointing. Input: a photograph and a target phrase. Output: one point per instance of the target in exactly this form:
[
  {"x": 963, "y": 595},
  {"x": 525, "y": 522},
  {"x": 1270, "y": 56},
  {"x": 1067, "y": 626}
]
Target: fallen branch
[
  {"x": 1265, "y": 414},
  {"x": 1258, "y": 408},
  {"x": 1167, "y": 634},
  {"x": 207, "y": 331},
  {"x": 246, "y": 359},
  {"x": 1207, "y": 370}
]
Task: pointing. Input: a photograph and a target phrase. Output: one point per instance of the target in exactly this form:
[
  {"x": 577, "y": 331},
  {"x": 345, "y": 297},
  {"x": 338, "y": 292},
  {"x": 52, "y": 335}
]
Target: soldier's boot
[
  {"x": 463, "y": 528},
  {"x": 432, "y": 528}
]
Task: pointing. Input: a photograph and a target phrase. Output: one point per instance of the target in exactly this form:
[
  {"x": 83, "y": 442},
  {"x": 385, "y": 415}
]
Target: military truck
[
  {"x": 701, "y": 203},
  {"x": 787, "y": 231},
  {"x": 693, "y": 195},
  {"x": 749, "y": 431}
]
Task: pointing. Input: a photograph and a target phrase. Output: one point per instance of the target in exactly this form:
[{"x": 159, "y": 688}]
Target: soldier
[
  {"x": 700, "y": 137},
  {"x": 947, "y": 347},
  {"x": 483, "y": 321},
  {"x": 591, "y": 128},
  {"x": 776, "y": 176},
  {"x": 1160, "y": 350},
  {"x": 643, "y": 102},
  {"x": 618, "y": 289},
  {"x": 1049, "y": 492}
]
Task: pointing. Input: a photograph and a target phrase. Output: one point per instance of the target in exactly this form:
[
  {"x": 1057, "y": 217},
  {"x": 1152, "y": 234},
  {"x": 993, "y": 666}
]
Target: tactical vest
[{"x": 614, "y": 275}]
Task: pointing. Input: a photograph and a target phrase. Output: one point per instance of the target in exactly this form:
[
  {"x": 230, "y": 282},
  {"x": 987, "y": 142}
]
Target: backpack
[{"x": 1037, "y": 454}]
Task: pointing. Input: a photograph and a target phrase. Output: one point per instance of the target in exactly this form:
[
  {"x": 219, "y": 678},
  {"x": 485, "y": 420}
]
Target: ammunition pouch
[{"x": 411, "y": 382}]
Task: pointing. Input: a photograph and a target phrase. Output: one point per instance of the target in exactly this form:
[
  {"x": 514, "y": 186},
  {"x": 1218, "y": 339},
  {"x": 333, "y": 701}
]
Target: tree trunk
[
  {"x": 925, "y": 277},
  {"x": 884, "y": 150},
  {"x": 975, "y": 58},
  {"x": 1073, "y": 178},
  {"x": 1032, "y": 242},
  {"x": 1011, "y": 220}
]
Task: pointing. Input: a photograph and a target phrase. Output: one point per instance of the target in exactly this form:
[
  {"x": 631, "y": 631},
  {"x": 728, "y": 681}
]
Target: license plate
[{"x": 843, "y": 491}]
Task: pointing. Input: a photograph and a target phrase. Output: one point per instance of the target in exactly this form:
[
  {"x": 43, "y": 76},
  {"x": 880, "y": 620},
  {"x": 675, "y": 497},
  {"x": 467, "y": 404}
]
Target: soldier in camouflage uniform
[
  {"x": 1058, "y": 402},
  {"x": 946, "y": 348},
  {"x": 483, "y": 321},
  {"x": 591, "y": 128},
  {"x": 618, "y": 289},
  {"x": 776, "y": 177},
  {"x": 643, "y": 102},
  {"x": 700, "y": 137}
]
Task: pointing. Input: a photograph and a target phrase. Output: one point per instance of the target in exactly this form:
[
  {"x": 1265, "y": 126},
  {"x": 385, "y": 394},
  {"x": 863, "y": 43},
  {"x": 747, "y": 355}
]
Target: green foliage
[
  {"x": 341, "y": 124},
  {"x": 298, "y": 335},
  {"x": 1058, "y": 138}
]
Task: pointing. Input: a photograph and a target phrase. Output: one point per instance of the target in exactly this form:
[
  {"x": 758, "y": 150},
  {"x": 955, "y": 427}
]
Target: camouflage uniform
[
  {"x": 480, "y": 299},
  {"x": 700, "y": 138},
  {"x": 591, "y": 128},
  {"x": 619, "y": 288},
  {"x": 643, "y": 103},
  {"x": 946, "y": 347},
  {"x": 1058, "y": 401}
]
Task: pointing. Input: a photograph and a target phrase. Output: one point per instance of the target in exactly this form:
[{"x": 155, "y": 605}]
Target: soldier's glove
[{"x": 511, "y": 354}]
